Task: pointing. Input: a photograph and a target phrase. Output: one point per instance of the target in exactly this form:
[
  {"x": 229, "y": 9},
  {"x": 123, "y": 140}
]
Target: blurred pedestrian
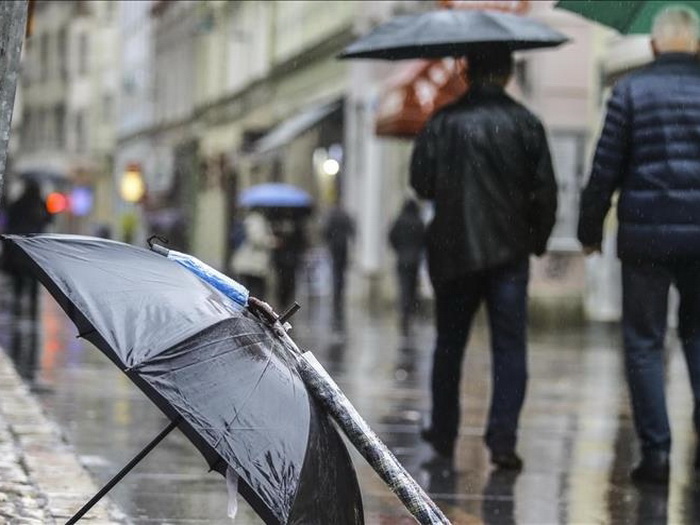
[
  {"x": 407, "y": 237},
  {"x": 649, "y": 150},
  {"x": 250, "y": 263},
  {"x": 27, "y": 214},
  {"x": 338, "y": 232},
  {"x": 485, "y": 162},
  {"x": 286, "y": 257},
  {"x": 103, "y": 230}
]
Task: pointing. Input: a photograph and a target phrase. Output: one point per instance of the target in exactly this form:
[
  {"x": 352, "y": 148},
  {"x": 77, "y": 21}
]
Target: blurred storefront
[{"x": 274, "y": 113}]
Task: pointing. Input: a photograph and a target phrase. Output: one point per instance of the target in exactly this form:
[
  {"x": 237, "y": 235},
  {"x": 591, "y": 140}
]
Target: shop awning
[
  {"x": 415, "y": 93},
  {"x": 294, "y": 126}
]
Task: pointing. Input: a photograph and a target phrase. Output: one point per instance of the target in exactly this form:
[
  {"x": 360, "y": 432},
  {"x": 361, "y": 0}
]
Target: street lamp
[
  {"x": 330, "y": 167},
  {"x": 132, "y": 187}
]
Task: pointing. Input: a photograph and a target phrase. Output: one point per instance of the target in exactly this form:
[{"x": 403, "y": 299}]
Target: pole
[
  {"x": 13, "y": 20},
  {"x": 123, "y": 472}
]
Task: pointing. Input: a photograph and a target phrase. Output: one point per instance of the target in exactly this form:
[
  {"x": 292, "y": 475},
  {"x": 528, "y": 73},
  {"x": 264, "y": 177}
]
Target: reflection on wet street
[{"x": 576, "y": 433}]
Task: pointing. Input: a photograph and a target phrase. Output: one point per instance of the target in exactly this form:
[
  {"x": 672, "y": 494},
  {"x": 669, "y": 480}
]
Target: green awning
[{"x": 628, "y": 17}]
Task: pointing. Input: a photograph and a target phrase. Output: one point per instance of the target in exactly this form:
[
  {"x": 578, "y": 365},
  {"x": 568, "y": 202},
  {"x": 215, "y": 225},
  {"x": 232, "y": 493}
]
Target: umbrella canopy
[
  {"x": 449, "y": 32},
  {"x": 628, "y": 17},
  {"x": 275, "y": 195},
  {"x": 208, "y": 364}
]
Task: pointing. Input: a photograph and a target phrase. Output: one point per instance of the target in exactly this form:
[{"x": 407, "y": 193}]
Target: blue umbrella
[{"x": 275, "y": 195}]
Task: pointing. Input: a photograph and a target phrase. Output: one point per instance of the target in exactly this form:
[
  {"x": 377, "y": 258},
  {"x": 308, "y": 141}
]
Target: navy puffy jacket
[{"x": 649, "y": 149}]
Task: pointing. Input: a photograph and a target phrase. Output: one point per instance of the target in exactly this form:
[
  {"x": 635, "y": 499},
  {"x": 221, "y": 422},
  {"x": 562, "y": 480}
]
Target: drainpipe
[{"x": 13, "y": 21}]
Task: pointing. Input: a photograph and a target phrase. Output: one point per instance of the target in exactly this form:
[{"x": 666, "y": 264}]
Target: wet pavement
[{"x": 576, "y": 434}]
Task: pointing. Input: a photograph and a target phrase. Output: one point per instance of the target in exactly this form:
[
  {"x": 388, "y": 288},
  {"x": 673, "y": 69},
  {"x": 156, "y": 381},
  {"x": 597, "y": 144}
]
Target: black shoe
[
  {"x": 654, "y": 468},
  {"x": 507, "y": 461},
  {"x": 443, "y": 447}
]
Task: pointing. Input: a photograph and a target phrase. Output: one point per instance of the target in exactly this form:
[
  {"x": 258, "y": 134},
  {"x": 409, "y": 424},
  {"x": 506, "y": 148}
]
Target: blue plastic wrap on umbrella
[{"x": 232, "y": 289}]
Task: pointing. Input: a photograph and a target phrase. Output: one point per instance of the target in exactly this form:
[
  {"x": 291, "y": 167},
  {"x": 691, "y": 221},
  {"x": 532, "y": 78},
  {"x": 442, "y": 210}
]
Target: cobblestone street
[{"x": 41, "y": 479}]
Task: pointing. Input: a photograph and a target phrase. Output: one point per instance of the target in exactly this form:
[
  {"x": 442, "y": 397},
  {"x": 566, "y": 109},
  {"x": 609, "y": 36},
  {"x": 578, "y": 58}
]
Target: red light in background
[{"x": 56, "y": 203}]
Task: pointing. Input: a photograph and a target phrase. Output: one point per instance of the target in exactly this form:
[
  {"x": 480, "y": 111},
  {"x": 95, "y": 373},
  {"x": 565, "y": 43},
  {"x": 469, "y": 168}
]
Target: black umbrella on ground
[
  {"x": 215, "y": 369},
  {"x": 451, "y": 33}
]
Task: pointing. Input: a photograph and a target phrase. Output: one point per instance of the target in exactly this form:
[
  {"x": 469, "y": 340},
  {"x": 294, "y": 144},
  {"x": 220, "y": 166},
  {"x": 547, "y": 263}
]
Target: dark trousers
[
  {"x": 339, "y": 265},
  {"x": 23, "y": 283},
  {"x": 408, "y": 288},
  {"x": 286, "y": 285},
  {"x": 504, "y": 290},
  {"x": 645, "y": 289}
]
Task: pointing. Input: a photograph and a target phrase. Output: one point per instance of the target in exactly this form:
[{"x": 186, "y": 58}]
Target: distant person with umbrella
[
  {"x": 485, "y": 163},
  {"x": 27, "y": 214},
  {"x": 338, "y": 232},
  {"x": 284, "y": 207},
  {"x": 250, "y": 263},
  {"x": 407, "y": 238}
]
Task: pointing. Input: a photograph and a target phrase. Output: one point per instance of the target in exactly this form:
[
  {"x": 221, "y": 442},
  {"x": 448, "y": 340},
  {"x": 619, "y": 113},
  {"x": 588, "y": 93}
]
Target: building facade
[{"x": 68, "y": 87}]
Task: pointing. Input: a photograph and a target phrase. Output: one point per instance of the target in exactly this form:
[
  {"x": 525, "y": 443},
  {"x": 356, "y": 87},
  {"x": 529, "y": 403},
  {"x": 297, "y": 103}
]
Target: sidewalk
[{"x": 41, "y": 478}]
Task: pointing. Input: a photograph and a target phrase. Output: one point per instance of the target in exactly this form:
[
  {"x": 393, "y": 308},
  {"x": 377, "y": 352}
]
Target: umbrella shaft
[
  {"x": 368, "y": 444},
  {"x": 123, "y": 472}
]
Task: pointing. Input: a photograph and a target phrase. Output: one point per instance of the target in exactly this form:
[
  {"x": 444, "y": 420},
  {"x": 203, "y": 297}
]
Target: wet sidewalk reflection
[{"x": 576, "y": 433}]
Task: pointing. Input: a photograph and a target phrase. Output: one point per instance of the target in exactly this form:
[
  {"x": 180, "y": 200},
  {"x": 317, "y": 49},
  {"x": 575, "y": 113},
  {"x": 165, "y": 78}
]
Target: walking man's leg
[
  {"x": 338, "y": 292},
  {"x": 455, "y": 306},
  {"x": 644, "y": 317},
  {"x": 18, "y": 286},
  {"x": 506, "y": 299},
  {"x": 407, "y": 293},
  {"x": 688, "y": 284}
]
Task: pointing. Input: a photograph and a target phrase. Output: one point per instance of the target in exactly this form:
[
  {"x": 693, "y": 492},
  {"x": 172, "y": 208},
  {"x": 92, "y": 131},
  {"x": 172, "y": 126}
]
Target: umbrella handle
[
  {"x": 123, "y": 472},
  {"x": 162, "y": 250}
]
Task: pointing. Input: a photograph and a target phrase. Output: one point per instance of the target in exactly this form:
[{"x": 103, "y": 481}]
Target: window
[
  {"x": 59, "y": 124},
  {"x": 63, "y": 54},
  {"x": 83, "y": 55},
  {"x": 44, "y": 57},
  {"x": 107, "y": 107},
  {"x": 80, "y": 133}
]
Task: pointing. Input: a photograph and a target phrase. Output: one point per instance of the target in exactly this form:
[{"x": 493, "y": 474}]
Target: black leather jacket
[{"x": 485, "y": 163}]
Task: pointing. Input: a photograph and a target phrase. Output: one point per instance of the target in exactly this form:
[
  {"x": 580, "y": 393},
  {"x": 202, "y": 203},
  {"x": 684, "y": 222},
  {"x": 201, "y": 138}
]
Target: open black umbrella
[
  {"x": 451, "y": 33},
  {"x": 215, "y": 369}
]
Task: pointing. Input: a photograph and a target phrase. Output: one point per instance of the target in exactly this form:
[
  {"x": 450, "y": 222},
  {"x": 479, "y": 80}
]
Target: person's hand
[{"x": 591, "y": 249}]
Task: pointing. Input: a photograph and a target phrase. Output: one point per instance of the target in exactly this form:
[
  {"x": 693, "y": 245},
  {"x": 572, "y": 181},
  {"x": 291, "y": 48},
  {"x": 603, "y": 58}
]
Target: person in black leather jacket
[
  {"x": 485, "y": 162},
  {"x": 649, "y": 150}
]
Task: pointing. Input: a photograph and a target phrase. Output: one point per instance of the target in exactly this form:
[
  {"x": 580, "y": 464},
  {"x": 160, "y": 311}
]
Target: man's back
[
  {"x": 650, "y": 150},
  {"x": 485, "y": 162}
]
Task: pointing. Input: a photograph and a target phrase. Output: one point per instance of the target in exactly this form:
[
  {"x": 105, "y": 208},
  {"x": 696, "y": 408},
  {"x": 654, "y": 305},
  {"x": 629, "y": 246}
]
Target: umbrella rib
[{"x": 153, "y": 358}]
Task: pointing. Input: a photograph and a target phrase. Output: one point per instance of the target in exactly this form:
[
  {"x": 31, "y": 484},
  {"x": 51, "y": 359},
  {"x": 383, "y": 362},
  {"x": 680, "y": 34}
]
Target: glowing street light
[
  {"x": 132, "y": 187},
  {"x": 330, "y": 167}
]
